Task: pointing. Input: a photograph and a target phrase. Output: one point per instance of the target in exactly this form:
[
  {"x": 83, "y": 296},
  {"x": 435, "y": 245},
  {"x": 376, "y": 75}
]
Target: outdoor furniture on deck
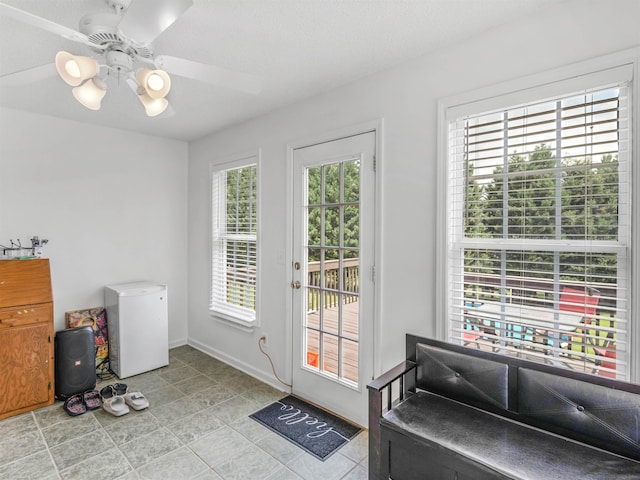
[
  {"x": 605, "y": 361},
  {"x": 504, "y": 322},
  {"x": 583, "y": 302}
]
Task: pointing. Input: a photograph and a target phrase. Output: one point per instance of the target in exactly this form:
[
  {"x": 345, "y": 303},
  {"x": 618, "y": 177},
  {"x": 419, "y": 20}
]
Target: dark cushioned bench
[{"x": 461, "y": 413}]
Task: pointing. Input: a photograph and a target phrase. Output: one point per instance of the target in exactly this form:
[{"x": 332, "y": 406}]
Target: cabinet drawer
[{"x": 24, "y": 315}]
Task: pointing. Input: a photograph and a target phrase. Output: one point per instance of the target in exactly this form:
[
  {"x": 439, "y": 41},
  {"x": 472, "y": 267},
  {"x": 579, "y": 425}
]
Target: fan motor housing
[
  {"x": 119, "y": 5},
  {"x": 119, "y": 60},
  {"x": 100, "y": 25},
  {"x": 102, "y": 29}
]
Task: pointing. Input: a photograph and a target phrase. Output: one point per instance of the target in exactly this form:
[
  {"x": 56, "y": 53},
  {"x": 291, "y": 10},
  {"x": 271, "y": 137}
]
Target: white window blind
[
  {"x": 538, "y": 236},
  {"x": 234, "y": 244}
]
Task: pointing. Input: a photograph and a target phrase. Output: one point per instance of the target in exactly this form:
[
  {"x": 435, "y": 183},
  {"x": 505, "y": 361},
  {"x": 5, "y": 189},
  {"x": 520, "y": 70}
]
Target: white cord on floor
[{"x": 273, "y": 368}]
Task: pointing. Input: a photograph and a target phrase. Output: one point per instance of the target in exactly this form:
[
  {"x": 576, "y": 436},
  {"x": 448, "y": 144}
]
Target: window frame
[
  {"x": 531, "y": 88},
  {"x": 234, "y": 316}
]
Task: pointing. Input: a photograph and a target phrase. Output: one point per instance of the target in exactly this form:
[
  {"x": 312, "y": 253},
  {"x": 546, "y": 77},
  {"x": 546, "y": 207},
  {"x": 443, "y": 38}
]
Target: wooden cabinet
[{"x": 26, "y": 336}]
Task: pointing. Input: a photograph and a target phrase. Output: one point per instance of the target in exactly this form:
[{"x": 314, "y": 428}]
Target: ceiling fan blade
[
  {"x": 242, "y": 82},
  {"x": 145, "y": 20},
  {"x": 28, "y": 75},
  {"x": 44, "y": 24}
]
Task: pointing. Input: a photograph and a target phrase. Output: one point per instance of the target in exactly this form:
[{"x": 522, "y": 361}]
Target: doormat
[{"x": 314, "y": 430}]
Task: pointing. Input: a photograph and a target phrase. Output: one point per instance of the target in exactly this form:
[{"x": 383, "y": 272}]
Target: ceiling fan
[{"x": 120, "y": 42}]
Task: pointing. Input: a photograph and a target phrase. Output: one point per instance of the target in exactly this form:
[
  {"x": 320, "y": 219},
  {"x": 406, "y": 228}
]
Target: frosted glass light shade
[
  {"x": 156, "y": 83},
  {"x": 153, "y": 106},
  {"x": 90, "y": 94},
  {"x": 75, "y": 69}
]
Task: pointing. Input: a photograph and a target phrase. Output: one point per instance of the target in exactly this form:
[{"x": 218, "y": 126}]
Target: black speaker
[{"x": 75, "y": 361}]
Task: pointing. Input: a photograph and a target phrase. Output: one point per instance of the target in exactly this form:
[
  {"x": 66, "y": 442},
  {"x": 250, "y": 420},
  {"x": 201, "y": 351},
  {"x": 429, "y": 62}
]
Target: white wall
[
  {"x": 118, "y": 206},
  {"x": 406, "y": 98},
  {"x": 113, "y": 205}
]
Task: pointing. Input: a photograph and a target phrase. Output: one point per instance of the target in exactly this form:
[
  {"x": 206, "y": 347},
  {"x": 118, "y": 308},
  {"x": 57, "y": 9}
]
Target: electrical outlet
[{"x": 263, "y": 340}]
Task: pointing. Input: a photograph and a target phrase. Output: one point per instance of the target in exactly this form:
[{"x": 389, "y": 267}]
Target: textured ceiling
[{"x": 297, "y": 48}]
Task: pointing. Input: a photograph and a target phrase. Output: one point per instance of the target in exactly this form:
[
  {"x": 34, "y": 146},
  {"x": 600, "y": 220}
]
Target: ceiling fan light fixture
[
  {"x": 75, "y": 69},
  {"x": 156, "y": 83},
  {"x": 91, "y": 93},
  {"x": 123, "y": 39},
  {"x": 153, "y": 106}
]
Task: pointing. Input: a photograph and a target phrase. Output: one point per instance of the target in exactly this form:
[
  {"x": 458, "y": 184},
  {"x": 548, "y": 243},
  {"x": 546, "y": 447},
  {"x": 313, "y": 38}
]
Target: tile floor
[{"x": 196, "y": 427}]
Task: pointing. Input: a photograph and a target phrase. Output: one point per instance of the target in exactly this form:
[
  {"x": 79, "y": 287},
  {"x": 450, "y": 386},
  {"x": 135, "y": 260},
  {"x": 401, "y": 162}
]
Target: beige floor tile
[
  {"x": 212, "y": 396},
  {"x": 81, "y": 448},
  {"x": 194, "y": 384},
  {"x": 221, "y": 446},
  {"x": 69, "y": 430},
  {"x": 106, "y": 466},
  {"x": 193, "y": 427},
  {"x": 252, "y": 464},
  {"x": 178, "y": 374},
  {"x": 144, "y": 449},
  {"x": 137, "y": 424},
  {"x": 280, "y": 448},
  {"x": 250, "y": 429},
  {"x": 333, "y": 468},
  {"x": 196, "y": 427},
  {"x": 34, "y": 465},
  {"x": 14, "y": 447},
  {"x": 181, "y": 464}
]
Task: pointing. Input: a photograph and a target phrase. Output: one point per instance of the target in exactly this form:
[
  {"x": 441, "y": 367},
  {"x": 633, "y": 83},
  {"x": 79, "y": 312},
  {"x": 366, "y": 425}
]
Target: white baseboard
[
  {"x": 178, "y": 343},
  {"x": 265, "y": 377}
]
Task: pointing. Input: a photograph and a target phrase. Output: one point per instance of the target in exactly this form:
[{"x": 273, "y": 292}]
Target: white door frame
[{"x": 337, "y": 134}]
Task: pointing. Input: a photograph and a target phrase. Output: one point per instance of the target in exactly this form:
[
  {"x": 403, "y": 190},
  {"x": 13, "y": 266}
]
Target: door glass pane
[
  {"x": 351, "y": 225},
  {"x": 313, "y": 226},
  {"x": 313, "y": 178},
  {"x": 331, "y": 257},
  {"x": 330, "y": 354},
  {"x": 332, "y": 226},
  {"x": 332, "y": 183},
  {"x": 313, "y": 280},
  {"x": 332, "y": 239},
  {"x": 349, "y": 326},
  {"x": 351, "y": 181},
  {"x": 350, "y": 355},
  {"x": 330, "y": 314},
  {"x": 331, "y": 273},
  {"x": 313, "y": 349}
]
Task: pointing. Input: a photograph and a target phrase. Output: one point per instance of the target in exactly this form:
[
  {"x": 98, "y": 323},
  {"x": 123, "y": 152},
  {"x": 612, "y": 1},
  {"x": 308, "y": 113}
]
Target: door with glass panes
[{"x": 333, "y": 273}]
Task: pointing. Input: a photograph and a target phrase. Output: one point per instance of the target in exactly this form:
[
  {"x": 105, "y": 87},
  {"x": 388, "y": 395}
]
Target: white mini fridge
[{"x": 138, "y": 325}]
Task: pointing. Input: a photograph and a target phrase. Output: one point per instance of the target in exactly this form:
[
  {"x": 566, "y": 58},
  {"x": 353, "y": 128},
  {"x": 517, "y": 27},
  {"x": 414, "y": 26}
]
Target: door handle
[{"x": 295, "y": 285}]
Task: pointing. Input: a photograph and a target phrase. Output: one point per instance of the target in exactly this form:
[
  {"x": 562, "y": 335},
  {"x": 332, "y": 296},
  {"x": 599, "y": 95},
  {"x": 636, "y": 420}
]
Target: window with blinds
[
  {"x": 538, "y": 230},
  {"x": 234, "y": 244}
]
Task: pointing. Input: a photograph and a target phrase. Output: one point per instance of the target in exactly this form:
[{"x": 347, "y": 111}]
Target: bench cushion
[
  {"x": 477, "y": 381},
  {"x": 593, "y": 414},
  {"x": 511, "y": 449}
]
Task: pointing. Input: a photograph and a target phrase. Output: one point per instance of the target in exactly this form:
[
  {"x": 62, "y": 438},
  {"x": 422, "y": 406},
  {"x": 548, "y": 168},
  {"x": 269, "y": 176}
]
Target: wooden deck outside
[{"x": 330, "y": 340}]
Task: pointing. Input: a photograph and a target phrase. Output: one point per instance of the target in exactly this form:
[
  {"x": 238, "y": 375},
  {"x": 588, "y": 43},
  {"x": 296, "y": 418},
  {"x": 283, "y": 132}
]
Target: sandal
[
  {"x": 112, "y": 403},
  {"x": 120, "y": 388},
  {"x": 136, "y": 400},
  {"x": 75, "y": 405},
  {"x": 91, "y": 399}
]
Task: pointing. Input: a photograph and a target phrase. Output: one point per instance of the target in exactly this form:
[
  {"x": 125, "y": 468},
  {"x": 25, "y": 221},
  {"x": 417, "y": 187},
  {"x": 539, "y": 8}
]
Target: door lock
[{"x": 295, "y": 284}]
